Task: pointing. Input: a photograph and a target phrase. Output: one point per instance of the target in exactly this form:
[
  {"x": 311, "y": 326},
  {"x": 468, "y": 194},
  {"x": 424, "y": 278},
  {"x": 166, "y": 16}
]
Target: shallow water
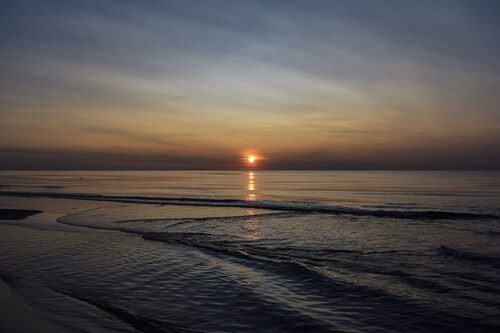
[{"x": 265, "y": 251}]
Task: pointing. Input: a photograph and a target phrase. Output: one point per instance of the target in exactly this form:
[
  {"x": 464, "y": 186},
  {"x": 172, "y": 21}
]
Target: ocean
[{"x": 256, "y": 251}]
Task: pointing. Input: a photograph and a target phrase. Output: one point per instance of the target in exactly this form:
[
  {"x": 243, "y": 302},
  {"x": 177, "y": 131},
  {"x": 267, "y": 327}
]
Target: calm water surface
[{"x": 262, "y": 251}]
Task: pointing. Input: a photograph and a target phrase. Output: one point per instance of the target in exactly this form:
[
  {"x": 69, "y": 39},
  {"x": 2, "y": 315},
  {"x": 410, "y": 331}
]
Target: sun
[{"x": 251, "y": 159}]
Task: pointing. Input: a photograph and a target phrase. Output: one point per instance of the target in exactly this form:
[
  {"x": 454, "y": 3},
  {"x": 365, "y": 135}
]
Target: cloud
[{"x": 213, "y": 78}]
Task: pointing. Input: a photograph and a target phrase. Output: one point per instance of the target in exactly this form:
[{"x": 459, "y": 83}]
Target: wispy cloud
[{"x": 206, "y": 79}]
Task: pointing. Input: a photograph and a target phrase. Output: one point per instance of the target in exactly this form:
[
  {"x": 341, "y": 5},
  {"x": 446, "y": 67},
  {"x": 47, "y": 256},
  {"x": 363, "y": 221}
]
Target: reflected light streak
[
  {"x": 251, "y": 197},
  {"x": 251, "y": 186},
  {"x": 250, "y": 226}
]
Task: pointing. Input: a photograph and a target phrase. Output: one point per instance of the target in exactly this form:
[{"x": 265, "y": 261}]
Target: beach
[
  {"x": 207, "y": 252},
  {"x": 190, "y": 166},
  {"x": 17, "y": 316}
]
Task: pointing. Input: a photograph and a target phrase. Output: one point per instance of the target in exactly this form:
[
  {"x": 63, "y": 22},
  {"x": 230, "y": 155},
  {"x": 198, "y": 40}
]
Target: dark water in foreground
[{"x": 265, "y": 251}]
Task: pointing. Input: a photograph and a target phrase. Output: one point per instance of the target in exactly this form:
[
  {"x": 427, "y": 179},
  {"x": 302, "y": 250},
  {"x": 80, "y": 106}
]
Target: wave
[
  {"x": 138, "y": 322},
  {"x": 287, "y": 206},
  {"x": 306, "y": 264},
  {"x": 469, "y": 256},
  {"x": 207, "y": 218},
  {"x": 48, "y": 187},
  {"x": 489, "y": 233}
]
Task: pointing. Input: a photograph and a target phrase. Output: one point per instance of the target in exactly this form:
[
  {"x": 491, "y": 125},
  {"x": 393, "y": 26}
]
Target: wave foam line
[{"x": 290, "y": 206}]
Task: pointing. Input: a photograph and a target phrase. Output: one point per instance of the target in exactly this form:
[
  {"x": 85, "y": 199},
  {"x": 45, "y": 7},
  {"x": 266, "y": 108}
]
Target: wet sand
[{"x": 18, "y": 316}]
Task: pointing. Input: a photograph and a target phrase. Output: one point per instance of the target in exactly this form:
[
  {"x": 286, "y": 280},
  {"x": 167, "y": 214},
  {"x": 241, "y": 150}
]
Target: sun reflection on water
[
  {"x": 251, "y": 186},
  {"x": 250, "y": 226}
]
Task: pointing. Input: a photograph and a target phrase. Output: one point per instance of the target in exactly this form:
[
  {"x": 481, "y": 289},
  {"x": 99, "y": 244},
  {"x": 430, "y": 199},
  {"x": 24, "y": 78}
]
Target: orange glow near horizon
[{"x": 251, "y": 159}]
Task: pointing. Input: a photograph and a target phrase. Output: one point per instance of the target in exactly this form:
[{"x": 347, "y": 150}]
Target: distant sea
[{"x": 257, "y": 251}]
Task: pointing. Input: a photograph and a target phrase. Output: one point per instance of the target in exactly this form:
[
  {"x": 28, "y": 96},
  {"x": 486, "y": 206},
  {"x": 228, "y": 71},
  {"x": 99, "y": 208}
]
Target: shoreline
[
  {"x": 19, "y": 316},
  {"x": 49, "y": 310}
]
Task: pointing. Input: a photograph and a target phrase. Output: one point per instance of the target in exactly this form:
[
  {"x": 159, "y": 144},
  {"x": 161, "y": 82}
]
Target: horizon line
[{"x": 245, "y": 170}]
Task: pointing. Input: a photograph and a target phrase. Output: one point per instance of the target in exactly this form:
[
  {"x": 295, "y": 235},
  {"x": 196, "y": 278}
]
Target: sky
[{"x": 199, "y": 84}]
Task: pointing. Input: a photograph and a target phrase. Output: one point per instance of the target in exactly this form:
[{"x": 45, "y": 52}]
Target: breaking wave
[{"x": 288, "y": 206}]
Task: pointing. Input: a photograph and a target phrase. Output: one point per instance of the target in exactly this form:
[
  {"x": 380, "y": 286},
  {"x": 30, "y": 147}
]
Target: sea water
[{"x": 264, "y": 251}]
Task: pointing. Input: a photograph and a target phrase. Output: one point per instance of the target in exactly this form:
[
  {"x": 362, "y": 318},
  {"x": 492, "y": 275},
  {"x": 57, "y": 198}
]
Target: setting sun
[{"x": 251, "y": 159}]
